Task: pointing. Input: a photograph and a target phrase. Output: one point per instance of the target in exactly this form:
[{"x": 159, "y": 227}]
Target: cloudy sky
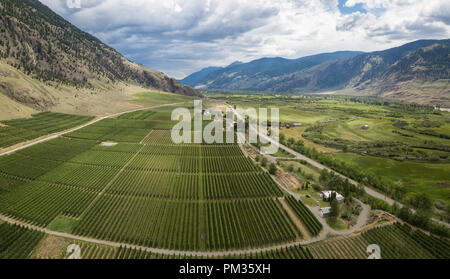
[{"x": 179, "y": 37}]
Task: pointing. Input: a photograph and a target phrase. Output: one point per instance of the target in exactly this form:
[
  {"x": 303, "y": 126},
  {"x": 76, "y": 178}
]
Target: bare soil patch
[
  {"x": 287, "y": 179},
  {"x": 108, "y": 143},
  {"x": 50, "y": 247}
]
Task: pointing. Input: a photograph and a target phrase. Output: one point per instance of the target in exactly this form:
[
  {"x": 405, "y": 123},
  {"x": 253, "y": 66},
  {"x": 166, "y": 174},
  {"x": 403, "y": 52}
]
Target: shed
[
  {"x": 326, "y": 195},
  {"x": 325, "y": 211}
]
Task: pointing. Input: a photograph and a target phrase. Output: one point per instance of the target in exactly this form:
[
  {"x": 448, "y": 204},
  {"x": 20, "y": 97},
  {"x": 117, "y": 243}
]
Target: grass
[
  {"x": 337, "y": 224},
  {"x": 282, "y": 154},
  {"x": 153, "y": 98},
  {"x": 296, "y": 133},
  {"x": 416, "y": 177},
  {"x": 307, "y": 170},
  {"x": 426, "y": 162},
  {"x": 63, "y": 224},
  {"x": 308, "y": 201}
]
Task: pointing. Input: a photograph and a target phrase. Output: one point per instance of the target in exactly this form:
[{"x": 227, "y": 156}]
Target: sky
[{"x": 179, "y": 37}]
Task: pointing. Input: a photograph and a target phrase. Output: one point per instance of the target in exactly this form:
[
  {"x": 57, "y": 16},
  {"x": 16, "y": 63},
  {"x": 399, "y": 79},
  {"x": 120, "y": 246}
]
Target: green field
[
  {"x": 404, "y": 150},
  {"x": 416, "y": 177},
  {"x": 396, "y": 242},
  {"x": 123, "y": 180},
  {"x": 41, "y": 124},
  {"x": 142, "y": 189},
  {"x": 159, "y": 98}
]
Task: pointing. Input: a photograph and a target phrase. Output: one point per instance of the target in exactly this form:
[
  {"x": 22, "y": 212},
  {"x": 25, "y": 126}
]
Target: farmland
[
  {"x": 20, "y": 130},
  {"x": 396, "y": 241},
  {"x": 123, "y": 180},
  {"x": 399, "y": 149}
]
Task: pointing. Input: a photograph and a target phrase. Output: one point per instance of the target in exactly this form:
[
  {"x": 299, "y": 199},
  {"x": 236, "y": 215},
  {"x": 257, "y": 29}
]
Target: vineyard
[
  {"x": 17, "y": 242},
  {"x": 124, "y": 180},
  {"x": 312, "y": 224},
  {"x": 396, "y": 242},
  {"x": 20, "y": 130}
]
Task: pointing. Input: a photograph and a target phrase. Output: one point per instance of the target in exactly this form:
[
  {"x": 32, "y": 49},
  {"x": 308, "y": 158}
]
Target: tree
[
  {"x": 334, "y": 212},
  {"x": 290, "y": 168},
  {"x": 264, "y": 161},
  {"x": 272, "y": 168},
  {"x": 257, "y": 158},
  {"x": 299, "y": 142},
  {"x": 332, "y": 197},
  {"x": 422, "y": 201},
  {"x": 404, "y": 213}
]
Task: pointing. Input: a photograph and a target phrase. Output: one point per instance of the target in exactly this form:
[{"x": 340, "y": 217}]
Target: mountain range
[
  {"x": 45, "y": 61},
  {"x": 416, "y": 72}
]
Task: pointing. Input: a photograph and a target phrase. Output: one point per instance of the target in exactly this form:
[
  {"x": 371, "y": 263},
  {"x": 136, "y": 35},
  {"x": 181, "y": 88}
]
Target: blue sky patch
[{"x": 349, "y": 10}]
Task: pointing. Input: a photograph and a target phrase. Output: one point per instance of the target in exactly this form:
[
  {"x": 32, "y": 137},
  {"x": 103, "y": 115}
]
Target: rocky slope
[
  {"x": 416, "y": 72},
  {"x": 52, "y": 52}
]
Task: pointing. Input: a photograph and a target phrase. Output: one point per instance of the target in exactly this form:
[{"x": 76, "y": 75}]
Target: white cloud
[{"x": 181, "y": 36}]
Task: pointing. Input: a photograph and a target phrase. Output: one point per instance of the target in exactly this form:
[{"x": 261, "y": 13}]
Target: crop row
[
  {"x": 186, "y": 225},
  {"x": 116, "y": 134},
  {"x": 156, "y": 184},
  {"x": 187, "y": 186},
  {"x": 39, "y": 159},
  {"x": 244, "y": 185},
  {"x": 187, "y": 164},
  {"x": 94, "y": 178},
  {"x": 396, "y": 242},
  {"x": 135, "y": 124},
  {"x": 146, "y": 222},
  {"x": 17, "y": 242},
  {"x": 39, "y": 203},
  {"x": 19, "y": 130},
  {"x": 305, "y": 215},
  {"x": 247, "y": 223},
  {"x": 158, "y": 137},
  {"x": 103, "y": 158},
  {"x": 343, "y": 248},
  {"x": 90, "y": 251}
]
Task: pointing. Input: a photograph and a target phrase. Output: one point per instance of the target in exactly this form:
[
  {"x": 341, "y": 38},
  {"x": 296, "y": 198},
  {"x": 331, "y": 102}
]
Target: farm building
[
  {"x": 326, "y": 195},
  {"x": 297, "y": 125},
  {"x": 325, "y": 211}
]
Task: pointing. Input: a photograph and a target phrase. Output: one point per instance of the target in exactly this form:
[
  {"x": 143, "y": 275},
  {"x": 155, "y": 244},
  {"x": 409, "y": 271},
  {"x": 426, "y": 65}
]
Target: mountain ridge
[
  {"x": 385, "y": 73},
  {"x": 56, "y": 54}
]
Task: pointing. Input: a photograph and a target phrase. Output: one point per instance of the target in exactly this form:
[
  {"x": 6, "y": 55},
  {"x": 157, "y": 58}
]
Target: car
[{"x": 308, "y": 195}]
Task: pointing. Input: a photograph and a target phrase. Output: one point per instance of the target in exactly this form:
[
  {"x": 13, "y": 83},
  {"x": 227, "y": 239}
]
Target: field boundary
[
  {"x": 58, "y": 134},
  {"x": 165, "y": 251}
]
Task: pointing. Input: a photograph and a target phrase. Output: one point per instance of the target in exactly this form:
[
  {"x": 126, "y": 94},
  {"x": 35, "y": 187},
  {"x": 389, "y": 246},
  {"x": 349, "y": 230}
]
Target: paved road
[{"x": 319, "y": 166}]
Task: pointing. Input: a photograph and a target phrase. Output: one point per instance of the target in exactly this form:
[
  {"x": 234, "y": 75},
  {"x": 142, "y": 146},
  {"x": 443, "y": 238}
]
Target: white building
[
  {"x": 297, "y": 124},
  {"x": 326, "y": 195},
  {"x": 325, "y": 211}
]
